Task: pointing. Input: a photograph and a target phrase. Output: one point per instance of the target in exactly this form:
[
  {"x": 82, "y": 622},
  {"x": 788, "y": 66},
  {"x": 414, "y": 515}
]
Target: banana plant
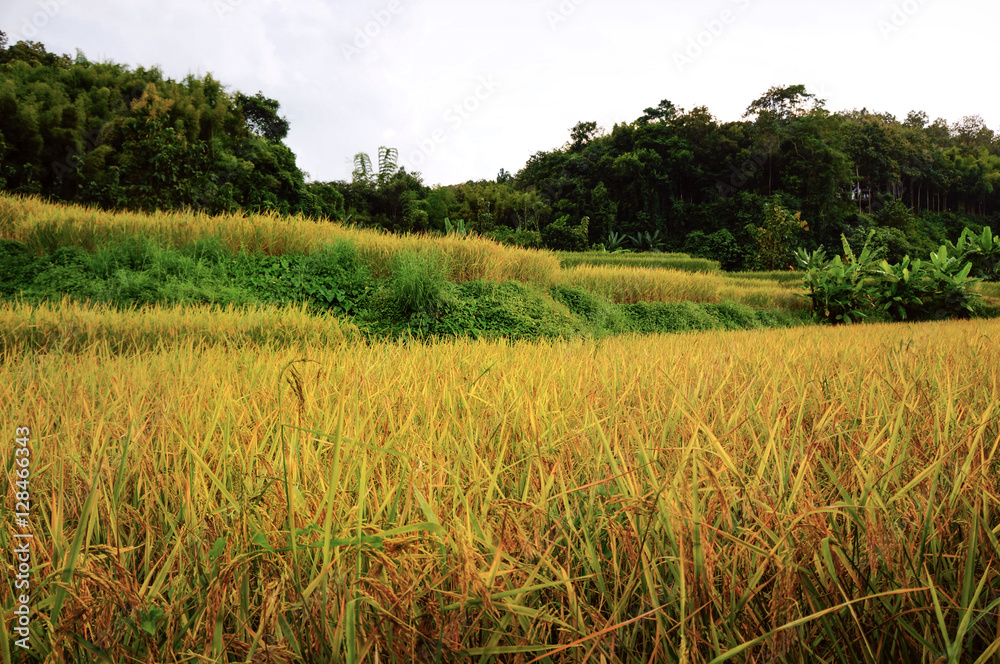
[
  {"x": 615, "y": 241},
  {"x": 837, "y": 287},
  {"x": 982, "y": 250},
  {"x": 648, "y": 241},
  {"x": 952, "y": 298},
  {"x": 457, "y": 228},
  {"x": 902, "y": 288}
]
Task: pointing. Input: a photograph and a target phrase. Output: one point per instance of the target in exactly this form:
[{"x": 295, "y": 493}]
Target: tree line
[
  {"x": 746, "y": 192},
  {"x": 116, "y": 137},
  {"x": 790, "y": 172}
]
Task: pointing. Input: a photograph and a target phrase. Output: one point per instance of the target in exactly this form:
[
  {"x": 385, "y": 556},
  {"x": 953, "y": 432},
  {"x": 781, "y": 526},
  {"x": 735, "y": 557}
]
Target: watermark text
[{"x": 23, "y": 537}]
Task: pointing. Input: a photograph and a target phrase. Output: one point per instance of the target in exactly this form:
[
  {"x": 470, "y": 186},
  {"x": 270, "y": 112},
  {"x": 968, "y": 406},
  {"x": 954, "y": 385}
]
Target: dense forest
[{"x": 746, "y": 193}]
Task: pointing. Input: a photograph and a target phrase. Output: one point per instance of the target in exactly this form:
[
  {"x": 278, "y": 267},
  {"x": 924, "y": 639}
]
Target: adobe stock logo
[
  {"x": 223, "y": 7},
  {"x": 900, "y": 16},
  {"x": 365, "y": 35},
  {"x": 714, "y": 29},
  {"x": 47, "y": 11},
  {"x": 455, "y": 117},
  {"x": 565, "y": 9}
]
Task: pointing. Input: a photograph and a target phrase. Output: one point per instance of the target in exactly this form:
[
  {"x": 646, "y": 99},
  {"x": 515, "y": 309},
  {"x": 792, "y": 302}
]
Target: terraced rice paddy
[{"x": 287, "y": 494}]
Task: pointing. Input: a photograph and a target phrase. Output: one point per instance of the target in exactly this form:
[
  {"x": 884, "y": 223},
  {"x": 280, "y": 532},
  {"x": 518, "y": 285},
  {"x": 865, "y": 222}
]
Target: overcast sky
[{"x": 463, "y": 89}]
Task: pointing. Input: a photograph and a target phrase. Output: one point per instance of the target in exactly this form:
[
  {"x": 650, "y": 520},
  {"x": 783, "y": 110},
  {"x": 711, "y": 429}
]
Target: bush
[
  {"x": 949, "y": 295},
  {"x": 560, "y": 237},
  {"x": 836, "y": 287},
  {"x": 895, "y": 215},
  {"x": 982, "y": 250},
  {"x": 525, "y": 239},
  {"x": 775, "y": 238},
  {"x": 599, "y": 312},
  {"x": 843, "y": 291},
  {"x": 509, "y": 309},
  {"x": 336, "y": 278},
  {"x": 720, "y": 246},
  {"x": 889, "y": 244},
  {"x": 333, "y": 279},
  {"x": 15, "y": 266},
  {"x": 64, "y": 272},
  {"x": 419, "y": 281}
]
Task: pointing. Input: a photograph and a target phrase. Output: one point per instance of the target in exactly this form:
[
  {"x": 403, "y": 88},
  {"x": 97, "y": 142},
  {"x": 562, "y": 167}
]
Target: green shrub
[
  {"x": 127, "y": 287},
  {"x": 64, "y": 272},
  {"x": 332, "y": 279},
  {"x": 559, "y": 236},
  {"x": 902, "y": 288},
  {"x": 982, "y": 250},
  {"x": 515, "y": 310},
  {"x": 647, "y": 241},
  {"x": 525, "y": 238},
  {"x": 837, "y": 287},
  {"x": 16, "y": 267},
  {"x": 732, "y": 316},
  {"x": 656, "y": 317},
  {"x": 419, "y": 281},
  {"x": 132, "y": 253},
  {"x": 890, "y": 244},
  {"x": 950, "y": 295},
  {"x": 605, "y": 317},
  {"x": 335, "y": 278},
  {"x": 845, "y": 291},
  {"x": 720, "y": 246},
  {"x": 774, "y": 239},
  {"x": 895, "y": 215}
]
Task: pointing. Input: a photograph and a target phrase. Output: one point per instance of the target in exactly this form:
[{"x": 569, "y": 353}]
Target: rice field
[
  {"x": 806, "y": 495},
  {"x": 628, "y": 285},
  {"x": 45, "y": 227},
  {"x": 668, "y": 261}
]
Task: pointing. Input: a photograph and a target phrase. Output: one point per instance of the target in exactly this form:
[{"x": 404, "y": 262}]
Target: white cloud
[{"x": 603, "y": 61}]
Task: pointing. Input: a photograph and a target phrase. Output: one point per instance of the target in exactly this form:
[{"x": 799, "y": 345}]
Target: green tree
[
  {"x": 97, "y": 133},
  {"x": 663, "y": 112},
  {"x": 560, "y": 236},
  {"x": 776, "y": 237},
  {"x": 262, "y": 117},
  {"x": 581, "y": 134}
]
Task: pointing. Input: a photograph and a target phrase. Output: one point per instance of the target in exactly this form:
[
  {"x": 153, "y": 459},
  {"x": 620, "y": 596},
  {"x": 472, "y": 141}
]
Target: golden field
[
  {"x": 44, "y": 226},
  {"x": 815, "y": 494}
]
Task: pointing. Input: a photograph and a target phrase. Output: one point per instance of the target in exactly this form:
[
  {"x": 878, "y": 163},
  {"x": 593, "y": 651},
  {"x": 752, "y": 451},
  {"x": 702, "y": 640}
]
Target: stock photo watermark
[
  {"x": 22, "y": 538},
  {"x": 224, "y": 7},
  {"x": 455, "y": 117},
  {"x": 365, "y": 35},
  {"x": 899, "y": 17},
  {"x": 714, "y": 29},
  {"x": 47, "y": 10},
  {"x": 562, "y": 13}
]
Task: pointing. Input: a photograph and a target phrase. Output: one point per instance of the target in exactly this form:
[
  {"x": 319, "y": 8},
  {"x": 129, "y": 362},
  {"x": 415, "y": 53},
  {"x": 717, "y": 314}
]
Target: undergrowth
[{"x": 413, "y": 298}]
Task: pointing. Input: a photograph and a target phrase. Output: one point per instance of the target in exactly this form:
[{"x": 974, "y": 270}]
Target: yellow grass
[
  {"x": 628, "y": 285},
  {"x": 469, "y": 259},
  {"x": 635, "y": 499},
  {"x": 69, "y": 326}
]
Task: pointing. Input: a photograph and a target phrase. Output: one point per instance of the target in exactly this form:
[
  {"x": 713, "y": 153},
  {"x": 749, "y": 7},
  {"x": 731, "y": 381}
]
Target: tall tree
[{"x": 262, "y": 116}]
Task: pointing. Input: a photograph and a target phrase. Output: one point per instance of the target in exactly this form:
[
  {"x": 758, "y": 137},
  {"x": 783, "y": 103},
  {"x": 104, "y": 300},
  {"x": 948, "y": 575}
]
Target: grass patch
[
  {"x": 663, "y": 261},
  {"x": 630, "y": 285}
]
